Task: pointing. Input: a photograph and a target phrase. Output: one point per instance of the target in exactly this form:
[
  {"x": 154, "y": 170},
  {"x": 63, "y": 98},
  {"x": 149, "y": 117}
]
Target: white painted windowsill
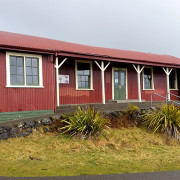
[
  {"x": 25, "y": 86},
  {"x": 174, "y": 89},
  {"x": 84, "y": 89},
  {"x": 148, "y": 89}
]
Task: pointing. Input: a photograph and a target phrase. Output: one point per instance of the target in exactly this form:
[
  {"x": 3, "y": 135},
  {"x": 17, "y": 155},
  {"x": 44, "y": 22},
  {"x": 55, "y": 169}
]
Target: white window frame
[
  {"x": 91, "y": 75},
  {"x": 176, "y": 84},
  {"x": 152, "y": 78},
  {"x": 8, "y": 82}
]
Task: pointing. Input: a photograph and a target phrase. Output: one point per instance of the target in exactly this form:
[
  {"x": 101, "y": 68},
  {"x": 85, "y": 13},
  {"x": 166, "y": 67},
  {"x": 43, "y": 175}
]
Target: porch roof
[{"x": 32, "y": 43}]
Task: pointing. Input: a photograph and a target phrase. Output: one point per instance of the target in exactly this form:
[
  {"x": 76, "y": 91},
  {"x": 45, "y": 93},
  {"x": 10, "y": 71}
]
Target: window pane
[
  {"x": 29, "y": 80},
  {"x": 86, "y": 72},
  {"x": 19, "y": 61},
  {"x": 12, "y": 60},
  {"x": 35, "y": 71},
  {"x": 122, "y": 75},
  {"x": 83, "y": 66},
  {"x": 79, "y": 84},
  {"x": 83, "y": 84},
  {"x": 28, "y": 71},
  {"x": 28, "y": 62},
  {"x": 35, "y": 62},
  {"x": 13, "y": 79},
  {"x": 20, "y": 70},
  {"x": 13, "y": 69},
  {"x": 80, "y": 72},
  {"x": 83, "y": 71},
  {"x": 20, "y": 79},
  {"x": 35, "y": 80},
  {"x": 147, "y": 78},
  {"x": 87, "y": 84},
  {"x": 172, "y": 80},
  {"x": 83, "y": 78},
  {"x": 87, "y": 78},
  {"x": 16, "y": 70}
]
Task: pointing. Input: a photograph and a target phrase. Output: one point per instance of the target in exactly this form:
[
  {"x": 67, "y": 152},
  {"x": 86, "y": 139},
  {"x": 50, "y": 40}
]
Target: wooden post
[
  {"x": 139, "y": 70},
  {"x": 57, "y": 83},
  {"x": 168, "y": 72},
  {"x": 102, "y": 68},
  {"x": 139, "y": 83},
  {"x": 167, "y": 79},
  {"x": 57, "y": 66},
  {"x": 102, "y": 80}
]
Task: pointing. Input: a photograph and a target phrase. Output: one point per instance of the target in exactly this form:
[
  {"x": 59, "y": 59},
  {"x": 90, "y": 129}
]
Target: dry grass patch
[{"x": 115, "y": 151}]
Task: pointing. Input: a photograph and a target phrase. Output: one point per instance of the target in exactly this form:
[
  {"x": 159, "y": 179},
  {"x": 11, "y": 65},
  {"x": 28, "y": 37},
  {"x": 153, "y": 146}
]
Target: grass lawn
[{"x": 117, "y": 151}]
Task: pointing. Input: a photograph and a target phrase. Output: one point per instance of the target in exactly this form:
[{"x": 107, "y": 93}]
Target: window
[
  {"x": 83, "y": 75},
  {"x": 173, "y": 79},
  {"x": 148, "y": 78},
  {"x": 23, "y": 70}
]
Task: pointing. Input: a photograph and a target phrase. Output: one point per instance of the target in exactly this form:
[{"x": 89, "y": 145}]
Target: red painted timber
[
  {"x": 68, "y": 94},
  {"x": 28, "y": 99}
]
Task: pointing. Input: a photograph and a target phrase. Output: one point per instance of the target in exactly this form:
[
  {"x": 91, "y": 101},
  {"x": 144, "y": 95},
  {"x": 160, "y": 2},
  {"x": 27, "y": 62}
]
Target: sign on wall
[{"x": 64, "y": 79}]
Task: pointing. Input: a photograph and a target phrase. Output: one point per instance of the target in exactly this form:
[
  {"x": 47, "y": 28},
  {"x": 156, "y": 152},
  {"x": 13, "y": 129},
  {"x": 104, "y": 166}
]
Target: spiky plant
[
  {"x": 165, "y": 118},
  {"x": 84, "y": 123}
]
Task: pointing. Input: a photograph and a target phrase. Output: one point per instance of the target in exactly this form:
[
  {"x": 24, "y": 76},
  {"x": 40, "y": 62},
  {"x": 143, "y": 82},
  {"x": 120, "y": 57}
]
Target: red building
[{"x": 38, "y": 74}]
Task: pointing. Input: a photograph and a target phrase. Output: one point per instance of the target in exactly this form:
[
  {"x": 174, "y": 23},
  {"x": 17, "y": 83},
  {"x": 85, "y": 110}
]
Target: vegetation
[
  {"x": 165, "y": 118},
  {"x": 115, "y": 151},
  {"x": 127, "y": 118},
  {"x": 84, "y": 123}
]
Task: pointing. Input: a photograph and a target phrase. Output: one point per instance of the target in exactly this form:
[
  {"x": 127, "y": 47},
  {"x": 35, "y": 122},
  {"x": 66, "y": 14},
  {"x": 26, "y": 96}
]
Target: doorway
[{"x": 119, "y": 83}]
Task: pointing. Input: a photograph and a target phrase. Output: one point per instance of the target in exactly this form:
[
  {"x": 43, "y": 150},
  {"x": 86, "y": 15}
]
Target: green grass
[{"x": 117, "y": 151}]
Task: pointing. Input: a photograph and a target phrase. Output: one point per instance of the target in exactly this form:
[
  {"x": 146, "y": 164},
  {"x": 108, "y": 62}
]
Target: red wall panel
[
  {"x": 28, "y": 99},
  {"x": 160, "y": 86},
  {"x": 68, "y": 94}
]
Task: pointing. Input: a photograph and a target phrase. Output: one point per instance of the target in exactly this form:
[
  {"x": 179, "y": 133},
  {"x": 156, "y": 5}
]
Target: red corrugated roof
[{"x": 39, "y": 43}]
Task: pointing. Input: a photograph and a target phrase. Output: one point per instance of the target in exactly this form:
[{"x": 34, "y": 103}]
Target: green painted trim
[{"x": 9, "y": 116}]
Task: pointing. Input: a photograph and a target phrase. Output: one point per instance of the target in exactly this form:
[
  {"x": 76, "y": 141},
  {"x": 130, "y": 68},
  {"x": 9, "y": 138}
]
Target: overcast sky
[{"x": 138, "y": 25}]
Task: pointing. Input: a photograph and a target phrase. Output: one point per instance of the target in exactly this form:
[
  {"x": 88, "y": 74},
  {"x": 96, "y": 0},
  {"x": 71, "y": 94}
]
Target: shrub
[
  {"x": 127, "y": 118},
  {"x": 84, "y": 123},
  {"x": 165, "y": 118}
]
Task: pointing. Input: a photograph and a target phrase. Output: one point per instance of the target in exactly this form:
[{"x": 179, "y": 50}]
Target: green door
[{"x": 119, "y": 84}]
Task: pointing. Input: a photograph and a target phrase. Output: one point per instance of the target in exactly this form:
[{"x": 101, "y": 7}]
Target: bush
[
  {"x": 84, "y": 123},
  {"x": 165, "y": 118},
  {"x": 127, "y": 118}
]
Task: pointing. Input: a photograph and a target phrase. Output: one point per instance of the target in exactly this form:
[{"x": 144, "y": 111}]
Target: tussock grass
[{"x": 115, "y": 151}]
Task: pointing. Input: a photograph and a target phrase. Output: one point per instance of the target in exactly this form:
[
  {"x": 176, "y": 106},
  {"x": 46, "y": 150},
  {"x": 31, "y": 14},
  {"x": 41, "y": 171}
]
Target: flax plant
[
  {"x": 165, "y": 118},
  {"x": 84, "y": 123}
]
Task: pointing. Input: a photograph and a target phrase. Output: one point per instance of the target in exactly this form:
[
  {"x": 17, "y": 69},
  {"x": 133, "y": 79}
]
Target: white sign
[{"x": 64, "y": 79}]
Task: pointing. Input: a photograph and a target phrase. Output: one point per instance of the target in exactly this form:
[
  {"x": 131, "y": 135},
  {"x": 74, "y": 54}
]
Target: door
[{"x": 120, "y": 84}]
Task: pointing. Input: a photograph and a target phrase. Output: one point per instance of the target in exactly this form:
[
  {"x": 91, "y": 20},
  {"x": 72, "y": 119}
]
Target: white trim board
[
  {"x": 152, "y": 78},
  {"x": 176, "y": 82},
  {"x": 8, "y": 84},
  {"x": 91, "y": 75}
]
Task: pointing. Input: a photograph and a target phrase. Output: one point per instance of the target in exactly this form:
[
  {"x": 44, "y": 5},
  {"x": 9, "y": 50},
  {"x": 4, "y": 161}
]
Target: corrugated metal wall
[
  {"x": 28, "y": 99},
  {"x": 68, "y": 94}
]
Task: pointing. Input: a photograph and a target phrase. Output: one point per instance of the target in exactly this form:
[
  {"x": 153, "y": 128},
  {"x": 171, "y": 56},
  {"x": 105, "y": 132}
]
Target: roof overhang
[
  {"x": 87, "y": 56},
  {"x": 115, "y": 59}
]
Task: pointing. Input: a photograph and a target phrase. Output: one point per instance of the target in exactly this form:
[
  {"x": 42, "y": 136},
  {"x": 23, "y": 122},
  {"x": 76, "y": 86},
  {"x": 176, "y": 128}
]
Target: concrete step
[
  {"x": 110, "y": 107},
  {"x": 123, "y": 101}
]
